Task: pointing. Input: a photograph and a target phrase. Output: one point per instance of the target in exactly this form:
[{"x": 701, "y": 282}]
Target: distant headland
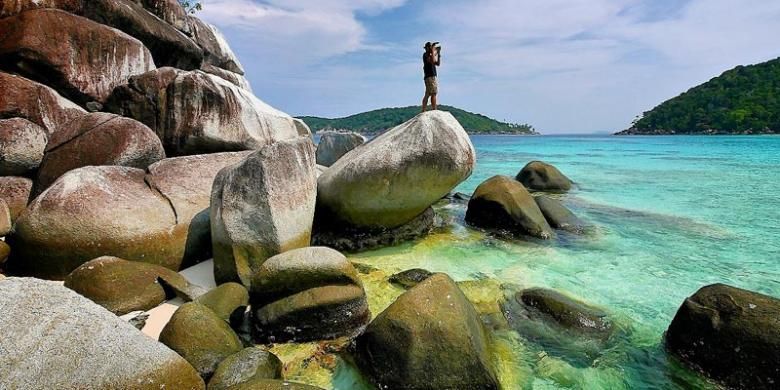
[
  {"x": 376, "y": 121},
  {"x": 743, "y": 100}
]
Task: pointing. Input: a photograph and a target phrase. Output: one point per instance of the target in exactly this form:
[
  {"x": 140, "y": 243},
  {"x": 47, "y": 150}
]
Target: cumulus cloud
[{"x": 562, "y": 65}]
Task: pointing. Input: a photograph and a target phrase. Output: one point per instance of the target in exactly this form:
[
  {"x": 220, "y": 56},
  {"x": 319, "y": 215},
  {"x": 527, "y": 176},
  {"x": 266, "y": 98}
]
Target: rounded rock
[{"x": 540, "y": 176}]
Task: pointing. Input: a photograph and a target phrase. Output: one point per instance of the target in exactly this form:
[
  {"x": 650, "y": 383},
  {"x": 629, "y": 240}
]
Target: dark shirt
[{"x": 429, "y": 67}]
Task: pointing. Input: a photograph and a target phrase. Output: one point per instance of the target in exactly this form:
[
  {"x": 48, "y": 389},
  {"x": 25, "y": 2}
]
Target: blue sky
[{"x": 564, "y": 66}]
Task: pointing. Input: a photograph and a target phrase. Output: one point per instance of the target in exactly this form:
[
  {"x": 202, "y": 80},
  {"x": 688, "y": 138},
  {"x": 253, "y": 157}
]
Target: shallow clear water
[{"x": 670, "y": 215}]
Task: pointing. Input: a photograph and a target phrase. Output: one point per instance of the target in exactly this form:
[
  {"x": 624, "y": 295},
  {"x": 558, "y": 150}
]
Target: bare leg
[
  {"x": 434, "y": 105},
  {"x": 425, "y": 103}
]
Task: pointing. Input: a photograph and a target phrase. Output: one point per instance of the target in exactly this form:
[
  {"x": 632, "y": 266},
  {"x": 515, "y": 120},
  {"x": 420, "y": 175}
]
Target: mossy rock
[
  {"x": 249, "y": 364},
  {"x": 201, "y": 337},
  {"x": 731, "y": 334},
  {"x": 540, "y": 176},
  {"x": 123, "y": 286},
  {"x": 502, "y": 203},
  {"x": 410, "y": 278},
  {"x": 225, "y": 299},
  {"x": 272, "y": 384},
  {"x": 429, "y": 338},
  {"x": 566, "y": 311}
]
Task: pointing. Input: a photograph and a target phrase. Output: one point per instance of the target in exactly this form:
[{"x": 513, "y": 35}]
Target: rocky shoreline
[
  {"x": 635, "y": 131},
  {"x": 121, "y": 173}
]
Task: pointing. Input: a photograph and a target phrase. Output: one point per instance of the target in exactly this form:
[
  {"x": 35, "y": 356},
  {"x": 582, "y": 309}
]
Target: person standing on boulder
[{"x": 431, "y": 59}]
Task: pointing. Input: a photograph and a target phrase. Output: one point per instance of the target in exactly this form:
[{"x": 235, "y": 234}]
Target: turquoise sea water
[{"x": 670, "y": 215}]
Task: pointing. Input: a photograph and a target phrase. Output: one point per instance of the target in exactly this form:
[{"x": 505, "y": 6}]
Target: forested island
[
  {"x": 376, "y": 121},
  {"x": 744, "y": 100}
]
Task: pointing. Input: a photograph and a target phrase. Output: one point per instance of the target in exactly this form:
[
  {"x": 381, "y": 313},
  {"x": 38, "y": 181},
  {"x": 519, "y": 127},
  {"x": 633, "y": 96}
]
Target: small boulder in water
[
  {"x": 567, "y": 312},
  {"x": 540, "y": 176},
  {"x": 431, "y": 337},
  {"x": 502, "y": 203},
  {"x": 334, "y": 144},
  {"x": 410, "y": 278},
  {"x": 731, "y": 334},
  {"x": 557, "y": 215}
]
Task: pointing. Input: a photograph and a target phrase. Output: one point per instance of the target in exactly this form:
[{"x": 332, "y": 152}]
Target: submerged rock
[
  {"x": 21, "y": 146},
  {"x": 35, "y": 102},
  {"x": 396, "y": 176},
  {"x": 731, "y": 334},
  {"x": 502, "y": 203},
  {"x": 15, "y": 191},
  {"x": 201, "y": 337},
  {"x": 307, "y": 294},
  {"x": 334, "y": 144},
  {"x": 54, "y": 338},
  {"x": 429, "y": 338},
  {"x": 97, "y": 139},
  {"x": 272, "y": 384},
  {"x": 567, "y": 312},
  {"x": 123, "y": 286},
  {"x": 540, "y": 176},
  {"x": 196, "y": 112},
  {"x": 557, "y": 215},
  {"x": 410, "y": 278},
  {"x": 75, "y": 63},
  {"x": 225, "y": 299},
  {"x": 250, "y": 364},
  {"x": 261, "y": 207}
]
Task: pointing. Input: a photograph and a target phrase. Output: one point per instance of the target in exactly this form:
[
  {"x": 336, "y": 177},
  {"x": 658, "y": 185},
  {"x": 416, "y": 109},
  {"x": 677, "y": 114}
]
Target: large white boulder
[{"x": 396, "y": 176}]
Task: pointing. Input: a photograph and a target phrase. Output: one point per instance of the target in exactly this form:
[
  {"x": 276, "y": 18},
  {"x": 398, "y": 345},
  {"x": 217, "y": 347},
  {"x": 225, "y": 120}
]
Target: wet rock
[
  {"x": 21, "y": 146},
  {"x": 247, "y": 365},
  {"x": 334, "y": 144},
  {"x": 216, "y": 50},
  {"x": 396, "y": 176},
  {"x": 272, "y": 384},
  {"x": 75, "y": 63},
  {"x": 502, "y": 203},
  {"x": 235, "y": 78},
  {"x": 540, "y": 176},
  {"x": 196, "y": 112},
  {"x": 123, "y": 286},
  {"x": 731, "y": 334},
  {"x": 557, "y": 215},
  {"x": 201, "y": 337},
  {"x": 35, "y": 102},
  {"x": 307, "y": 294},
  {"x": 261, "y": 207},
  {"x": 353, "y": 239},
  {"x": 429, "y": 338},
  {"x": 15, "y": 191},
  {"x": 54, "y": 338},
  {"x": 97, "y": 139},
  {"x": 225, "y": 299},
  {"x": 93, "y": 211},
  {"x": 565, "y": 311},
  {"x": 410, "y": 278}
]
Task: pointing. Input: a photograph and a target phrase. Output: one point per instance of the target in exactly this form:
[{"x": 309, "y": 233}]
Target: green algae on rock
[
  {"x": 201, "y": 337},
  {"x": 271, "y": 384},
  {"x": 249, "y": 364},
  {"x": 123, "y": 286},
  {"x": 410, "y": 278},
  {"x": 429, "y": 338},
  {"x": 307, "y": 294},
  {"x": 503, "y": 203},
  {"x": 225, "y": 299}
]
